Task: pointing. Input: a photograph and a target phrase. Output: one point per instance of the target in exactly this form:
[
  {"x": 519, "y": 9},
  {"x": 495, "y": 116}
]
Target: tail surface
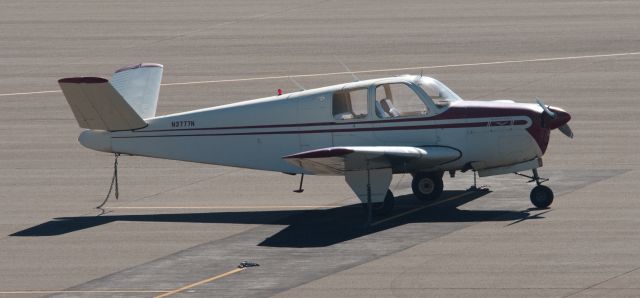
[
  {"x": 120, "y": 104},
  {"x": 139, "y": 85}
]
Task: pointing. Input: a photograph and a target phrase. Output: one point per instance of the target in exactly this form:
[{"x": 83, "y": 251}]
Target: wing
[
  {"x": 368, "y": 169},
  {"x": 339, "y": 160}
]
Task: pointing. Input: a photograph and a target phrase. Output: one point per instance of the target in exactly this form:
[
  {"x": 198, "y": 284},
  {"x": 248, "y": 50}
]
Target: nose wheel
[{"x": 541, "y": 196}]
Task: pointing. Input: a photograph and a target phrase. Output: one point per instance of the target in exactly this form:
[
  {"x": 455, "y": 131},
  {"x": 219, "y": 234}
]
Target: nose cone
[
  {"x": 98, "y": 140},
  {"x": 562, "y": 117}
]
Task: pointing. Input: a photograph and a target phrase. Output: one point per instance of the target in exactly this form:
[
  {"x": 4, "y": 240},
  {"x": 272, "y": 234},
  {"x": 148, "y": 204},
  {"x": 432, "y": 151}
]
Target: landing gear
[
  {"x": 427, "y": 186},
  {"x": 541, "y": 196}
]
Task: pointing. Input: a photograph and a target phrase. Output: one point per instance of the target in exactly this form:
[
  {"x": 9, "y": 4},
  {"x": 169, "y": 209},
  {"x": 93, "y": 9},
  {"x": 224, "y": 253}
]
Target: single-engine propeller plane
[{"x": 364, "y": 130}]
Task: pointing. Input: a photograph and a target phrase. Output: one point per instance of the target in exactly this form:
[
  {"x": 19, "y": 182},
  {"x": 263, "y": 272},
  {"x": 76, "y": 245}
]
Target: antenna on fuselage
[
  {"x": 355, "y": 78},
  {"x": 421, "y": 71},
  {"x": 302, "y": 88}
]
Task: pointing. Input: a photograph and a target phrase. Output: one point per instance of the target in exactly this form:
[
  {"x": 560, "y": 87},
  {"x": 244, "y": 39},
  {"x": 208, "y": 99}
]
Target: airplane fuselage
[{"x": 257, "y": 134}]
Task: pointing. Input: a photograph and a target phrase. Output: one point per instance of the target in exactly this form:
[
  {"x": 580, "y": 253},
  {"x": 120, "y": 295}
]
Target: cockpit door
[{"x": 402, "y": 115}]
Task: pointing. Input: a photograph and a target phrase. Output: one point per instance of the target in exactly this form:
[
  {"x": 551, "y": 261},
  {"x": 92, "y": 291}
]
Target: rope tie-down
[{"x": 114, "y": 182}]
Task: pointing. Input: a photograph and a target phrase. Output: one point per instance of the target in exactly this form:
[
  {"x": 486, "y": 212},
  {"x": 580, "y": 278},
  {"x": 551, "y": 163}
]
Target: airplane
[{"x": 364, "y": 130}]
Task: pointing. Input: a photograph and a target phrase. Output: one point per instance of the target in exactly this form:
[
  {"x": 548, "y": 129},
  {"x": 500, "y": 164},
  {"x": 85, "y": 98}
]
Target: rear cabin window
[
  {"x": 350, "y": 104},
  {"x": 398, "y": 100}
]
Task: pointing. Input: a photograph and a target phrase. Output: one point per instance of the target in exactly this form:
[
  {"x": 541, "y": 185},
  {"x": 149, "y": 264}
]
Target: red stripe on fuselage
[
  {"x": 458, "y": 112},
  {"x": 433, "y": 126}
]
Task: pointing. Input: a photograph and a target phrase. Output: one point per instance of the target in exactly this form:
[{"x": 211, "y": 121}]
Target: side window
[
  {"x": 398, "y": 100},
  {"x": 350, "y": 104}
]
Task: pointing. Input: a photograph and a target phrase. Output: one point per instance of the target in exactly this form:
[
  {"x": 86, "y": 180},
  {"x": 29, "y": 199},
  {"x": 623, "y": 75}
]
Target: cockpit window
[
  {"x": 350, "y": 104},
  {"x": 439, "y": 93},
  {"x": 398, "y": 100}
]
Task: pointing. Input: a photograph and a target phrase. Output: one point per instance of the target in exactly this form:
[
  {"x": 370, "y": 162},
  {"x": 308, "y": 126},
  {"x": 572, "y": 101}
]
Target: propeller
[
  {"x": 546, "y": 109},
  {"x": 566, "y": 130},
  {"x": 564, "y": 127}
]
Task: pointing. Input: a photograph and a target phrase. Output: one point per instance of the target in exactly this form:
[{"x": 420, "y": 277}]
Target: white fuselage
[{"x": 257, "y": 134}]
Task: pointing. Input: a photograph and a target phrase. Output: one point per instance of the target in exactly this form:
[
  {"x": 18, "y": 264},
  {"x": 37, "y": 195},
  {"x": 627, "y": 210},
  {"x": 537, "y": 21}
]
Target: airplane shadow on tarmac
[{"x": 305, "y": 228}]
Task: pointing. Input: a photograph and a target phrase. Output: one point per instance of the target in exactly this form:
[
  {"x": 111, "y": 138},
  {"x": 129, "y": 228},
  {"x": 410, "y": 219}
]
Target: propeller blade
[
  {"x": 566, "y": 130},
  {"x": 546, "y": 109}
]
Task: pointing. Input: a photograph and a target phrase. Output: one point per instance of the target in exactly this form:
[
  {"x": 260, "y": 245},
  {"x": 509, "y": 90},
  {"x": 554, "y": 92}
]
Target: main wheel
[
  {"x": 427, "y": 186},
  {"x": 382, "y": 208},
  {"x": 541, "y": 196}
]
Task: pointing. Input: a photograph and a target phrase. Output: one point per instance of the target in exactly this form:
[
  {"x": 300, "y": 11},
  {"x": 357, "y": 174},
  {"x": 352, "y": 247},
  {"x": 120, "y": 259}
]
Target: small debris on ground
[{"x": 245, "y": 264}]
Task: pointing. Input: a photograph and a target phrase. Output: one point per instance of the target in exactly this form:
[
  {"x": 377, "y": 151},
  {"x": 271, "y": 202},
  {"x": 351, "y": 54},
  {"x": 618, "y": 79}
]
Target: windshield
[{"x": 439, "y": 93}]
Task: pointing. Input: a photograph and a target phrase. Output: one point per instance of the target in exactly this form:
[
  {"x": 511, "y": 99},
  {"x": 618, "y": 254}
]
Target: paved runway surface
[{"x": 182, "y": 229}]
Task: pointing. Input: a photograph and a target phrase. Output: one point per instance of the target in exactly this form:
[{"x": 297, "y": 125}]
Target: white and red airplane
[{"x": 365, "y": 130}]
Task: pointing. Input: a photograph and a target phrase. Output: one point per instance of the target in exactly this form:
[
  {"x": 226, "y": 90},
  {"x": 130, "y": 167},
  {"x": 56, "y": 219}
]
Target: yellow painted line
[
  {"x": 420, "y": 208},
  {"x": 81, "y": 292},
  {"x": 370, "y": 71},
  {"x": 201, "y": 282},
  {"x": 224, "y": 207}
]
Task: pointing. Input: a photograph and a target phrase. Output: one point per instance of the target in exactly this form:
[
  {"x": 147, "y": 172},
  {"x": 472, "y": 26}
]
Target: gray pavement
[{"x": 179, "y": 223}]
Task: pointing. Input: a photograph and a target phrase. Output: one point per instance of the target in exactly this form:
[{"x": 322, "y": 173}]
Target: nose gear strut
[{"x": 541, "y": 196}]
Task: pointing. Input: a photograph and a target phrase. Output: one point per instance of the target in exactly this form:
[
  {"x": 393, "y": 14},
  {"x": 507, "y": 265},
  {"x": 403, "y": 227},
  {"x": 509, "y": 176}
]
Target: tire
[
  {"x": 427, "y": 186},
  {"x": 541, "y": 196},
  {"x": 382, "y": 208}
]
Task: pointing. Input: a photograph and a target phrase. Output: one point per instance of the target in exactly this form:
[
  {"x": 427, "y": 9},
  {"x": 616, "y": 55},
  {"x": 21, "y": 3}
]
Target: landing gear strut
[
  {"x": 427, "y": 186},
  {"x": 541, "y": 196}
]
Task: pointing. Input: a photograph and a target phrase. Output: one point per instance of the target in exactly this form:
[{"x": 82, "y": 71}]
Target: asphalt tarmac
[{"x": 182, "y": 229}]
